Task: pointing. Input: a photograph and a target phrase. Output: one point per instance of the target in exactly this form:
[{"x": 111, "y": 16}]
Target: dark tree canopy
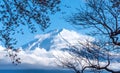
[{"x": 15, "y": 13}]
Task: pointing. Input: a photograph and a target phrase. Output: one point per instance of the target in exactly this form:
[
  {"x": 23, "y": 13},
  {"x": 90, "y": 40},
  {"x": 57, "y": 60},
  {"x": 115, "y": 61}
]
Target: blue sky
[
  {"x": 40, "y": 57},
  {"x": 57, "y": 21}
]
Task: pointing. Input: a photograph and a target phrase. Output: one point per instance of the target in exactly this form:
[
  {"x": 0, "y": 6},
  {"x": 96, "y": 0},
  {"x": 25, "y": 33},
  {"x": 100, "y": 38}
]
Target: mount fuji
[
  {"x": 41, "y": 52},
  {"x": 56, "y": 39}
]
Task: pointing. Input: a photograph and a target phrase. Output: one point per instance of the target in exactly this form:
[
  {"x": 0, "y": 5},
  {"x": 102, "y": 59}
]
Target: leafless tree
[
  {"x": 102, "y": 16},
  {"x": 87, "y": 56}
]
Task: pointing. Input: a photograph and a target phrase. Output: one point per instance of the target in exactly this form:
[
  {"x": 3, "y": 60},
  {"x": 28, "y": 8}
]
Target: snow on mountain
[
  {"x": 41, "y": 52},
  {"x": 56, "y": 39}
]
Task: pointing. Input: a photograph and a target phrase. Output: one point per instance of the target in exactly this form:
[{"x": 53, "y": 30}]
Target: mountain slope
[
  {"x": 43, "y": 50},
  {"x": 56, "y": 39}
]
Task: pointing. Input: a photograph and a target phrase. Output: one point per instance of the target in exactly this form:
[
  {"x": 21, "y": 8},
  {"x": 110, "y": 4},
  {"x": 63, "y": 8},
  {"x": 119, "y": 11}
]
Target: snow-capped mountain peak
[{"x": 56, "y": 39}]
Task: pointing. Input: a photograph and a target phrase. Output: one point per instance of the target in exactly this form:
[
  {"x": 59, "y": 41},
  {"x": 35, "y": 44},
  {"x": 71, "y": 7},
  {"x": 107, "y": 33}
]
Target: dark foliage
[{"x": 16, "y": 13}]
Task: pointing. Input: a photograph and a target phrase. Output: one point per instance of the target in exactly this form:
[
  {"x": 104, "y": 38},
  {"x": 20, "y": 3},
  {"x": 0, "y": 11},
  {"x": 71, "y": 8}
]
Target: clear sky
[
  {"x": 42, "y": 58},
  {"x": 57, "y": 21}
]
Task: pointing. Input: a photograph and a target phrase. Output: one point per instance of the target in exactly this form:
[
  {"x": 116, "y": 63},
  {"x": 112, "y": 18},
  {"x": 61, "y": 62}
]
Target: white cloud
[
  {"x": 37, "y": 58},
  {"x": 41, "y": 58}
]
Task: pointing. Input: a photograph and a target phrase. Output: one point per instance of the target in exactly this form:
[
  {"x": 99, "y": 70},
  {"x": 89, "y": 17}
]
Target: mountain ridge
[{"x": 55, "y": 39}]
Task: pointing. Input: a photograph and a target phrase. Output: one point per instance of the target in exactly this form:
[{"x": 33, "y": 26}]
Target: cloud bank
[{"x": 41, "y": 58}]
